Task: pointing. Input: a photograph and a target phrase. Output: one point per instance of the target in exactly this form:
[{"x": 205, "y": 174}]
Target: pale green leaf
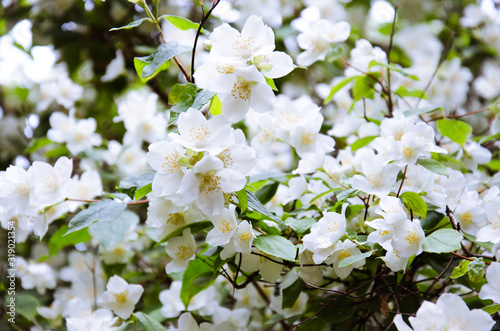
[
  {"x": 433, "y": 165},
  {"x": 111, "y": 233},
  {"x": 148, "y": 322},
  {"x": 131, "y": 25},
  {"x": 442, "y": 241},
  {"x": 348, "y": 261},
  {"x": 276, "y": 245},
  {"x": 460, "y": 270},
  {"x": 103, "y": 211}
]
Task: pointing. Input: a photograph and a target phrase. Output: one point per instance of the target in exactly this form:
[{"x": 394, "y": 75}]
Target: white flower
[
  {"x": 164, "y": 157},
  {"x": 39, "y": 276},
  {"x": 408, "y": 237},
  {"x": 79, "y": 135},
  {"x": 307, "y": 139},
  {"x": 318, "y": 39},
  {"x": 344, "y": 250},
  {"x": 187, "y": 323},
  {"x": 120, "y": 297},
  {"x": 450, "y": 312},
  {"x": 225, "y": 227},
  {"x": 324, "y": 234},
  {"x": 15, "y": 189},
  {"x": 164, "y": 215},
  {"x": 50, "y": 184},
  {"x": 182, "y": 250},
  {"x": 236, "y": 319},
  {"x": 82, "y": 318},
  {"x": 246, "y": 89},
  {"x": 378, "y": 177},
  {"x": 114, "y": 68},
  {"x": 199, "y": 134},
  {"x": 241, "y": 241},
  {"x": 207, "y": 182},
  {"x": 491, "y": 290}
]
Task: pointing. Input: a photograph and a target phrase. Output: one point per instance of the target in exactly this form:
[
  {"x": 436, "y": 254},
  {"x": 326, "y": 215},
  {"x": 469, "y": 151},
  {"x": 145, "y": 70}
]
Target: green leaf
[
  {"x": 197, "y": 277},
  {"x": 460, "y": 270},
  {"x": 185, "y": 96},
  {"x": 414, "y": 202},
  {"x": 131, "y": 25},
  {"x": 442, "y": 241},
  {"x": 492, "y": 309},
  {"x": 242, "y": 199},
  {"x": 141, "y": 62},
  {"x": 110, "y": 233},
  {"x": 489, "y": 138},
  {"x": 457, "y": 131},
  {"x": 291, "y": 294},
  {"x": 104, "y": 211},
  {"x": 59, "y": 241},
  {"x": 137, "y": 181},
  {"x": 362, "y": 142},
  {"x": 181, "y": 23},
  {"x": 402, "y": 91},
  {"x": 215, "y": 106},
  {"x": 270, "y": 82},
  {"x": 143, "y": 191},
  {"x": 431, "y": 221},
  {"x": 149, "y": 66},
  {"x": 36, "y": 144},
  {"x": 487, "y": 245},
  {"x": 195, "y": 228},
  {"x": 324, "y": 193},
  {"x": 393, "y": 68},
  {"x": 420, "y": 111},
  {"x": 26, "y": 305},
  {"x": 256, "y": 205},
  {"x": 148, "y": 322},
  {"x": 348, "y": 261},
  {"x": 339, "y": 86},
  {"x": 267, "y": 192},
  {"x": 300, "y": 226},
  {"x": 476, "y": 270},
  {"x": 434, "y": 166},
  {"x": 349, "y": 193},
  {"x": 363, "y": 88},
  {"x": 276, "y": 245}
]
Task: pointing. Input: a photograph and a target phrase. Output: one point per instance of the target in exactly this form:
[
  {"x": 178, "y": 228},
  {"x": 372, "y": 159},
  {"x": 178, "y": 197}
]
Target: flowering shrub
[{"x": 250, "y": 165}]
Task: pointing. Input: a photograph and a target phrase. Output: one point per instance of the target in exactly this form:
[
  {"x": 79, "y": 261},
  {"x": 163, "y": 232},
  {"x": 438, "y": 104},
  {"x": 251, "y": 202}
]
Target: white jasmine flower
[
  {"x": 164, "y": 157},
  {"x": 120, "y": 296},
  {"x": 318, "y": 39},
  {"x": 378, "y": 178},
  {"x": 199, "y": 134},
  {"x": 187, "y": 323},
  {"x": 491, "y": 290},
  {"x": 225, "y": 227},
  {"x": 50, "y": 184},
  {"x": 182, "y": 250},
  {"x": 207, "y": 182},
  {"x": 408, "y": 238},
  {"x": 324, "y": 234},
  {"x": 82, "y": 318},
  {"x": 344, "y": 250},
  {"x": 449, "y": 312},
  {"x": 15, "y": 189},
  {"x": 241, "y": 241}
]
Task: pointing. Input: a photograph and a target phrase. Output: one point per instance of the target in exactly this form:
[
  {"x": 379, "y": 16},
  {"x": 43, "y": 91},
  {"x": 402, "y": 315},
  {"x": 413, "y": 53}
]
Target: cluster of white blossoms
[
  {"x": 339, "y": 196},
  {"x": 35, "y": 197},
  {"x": 238, "y": 66}
]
